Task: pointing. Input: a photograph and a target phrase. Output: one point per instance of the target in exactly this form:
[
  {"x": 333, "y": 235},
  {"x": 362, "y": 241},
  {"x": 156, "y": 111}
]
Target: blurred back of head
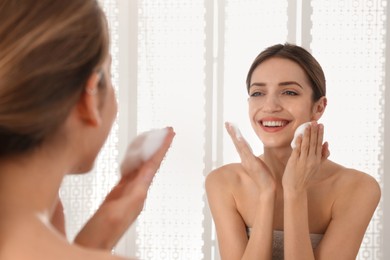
[{"x": 48, "y": 49}]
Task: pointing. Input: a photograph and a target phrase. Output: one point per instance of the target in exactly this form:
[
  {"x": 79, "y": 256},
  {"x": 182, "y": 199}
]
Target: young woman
[
  {"x": 57, "y": 106},
  {"x": 288, "y": 203}
]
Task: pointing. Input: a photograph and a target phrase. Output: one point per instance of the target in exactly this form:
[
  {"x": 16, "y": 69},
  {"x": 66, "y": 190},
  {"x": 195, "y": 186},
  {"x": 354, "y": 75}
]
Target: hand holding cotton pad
[
  {"x": 142, "y": 148},
  {"x": 299, "y": 131}
]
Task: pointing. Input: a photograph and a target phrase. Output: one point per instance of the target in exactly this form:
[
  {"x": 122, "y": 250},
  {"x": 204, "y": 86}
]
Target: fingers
[
  {"x": 136, "y": 183},
  {"x": 153, "y": 164},
  {"x": 134, "y": 159},
  {"x": 325, "y": 151},
  {"x": 130, "y": 200},
  {"x": 242, "y": 147},
  {"x": 159, "y": 155},
  {"x": 320, "y": 138},
  {"x": 307, "y": 157},
  {"x": 316, "y": 139},
  {"x": 303, "y": 142},
  {"x": 148, "y": 169},
  {"x": 253, "y": 166},
  {"x": 311, "y": 143},
  {"x": 124, "y": 203}
]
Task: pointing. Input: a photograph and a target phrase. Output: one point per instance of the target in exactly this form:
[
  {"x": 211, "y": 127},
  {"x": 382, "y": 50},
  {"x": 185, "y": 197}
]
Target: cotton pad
[
  {"x": 299, "y": 131},
  {"x": 142, "y": 149}
]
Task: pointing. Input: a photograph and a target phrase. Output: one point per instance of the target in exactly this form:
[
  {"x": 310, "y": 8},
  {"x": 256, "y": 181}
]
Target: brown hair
[
  {"x": 48, "y": 50},
  {"x": 300, "y": 56}
]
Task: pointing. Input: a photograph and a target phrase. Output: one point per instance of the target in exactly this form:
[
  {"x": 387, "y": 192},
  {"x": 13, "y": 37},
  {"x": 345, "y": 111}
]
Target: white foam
[
  {"x": 142, "y": 148},
  {"x": 236, "y": 131},
  {"x": 153, "y": 140},
  {"x": 299, "y": 131},
  {"x": 238, "y": 134}
]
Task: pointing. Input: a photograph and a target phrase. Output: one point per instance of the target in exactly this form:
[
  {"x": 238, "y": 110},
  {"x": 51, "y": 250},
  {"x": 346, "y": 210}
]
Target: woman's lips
[{"x": 273, "y": 125}]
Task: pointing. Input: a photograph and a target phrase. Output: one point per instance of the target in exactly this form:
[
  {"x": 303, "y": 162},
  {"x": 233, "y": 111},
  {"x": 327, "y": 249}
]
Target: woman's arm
[
  {"x": 357, "y": 197},
  {"x": 297, "y": 244},
  {"x": 260, "y": 242},
  {"x": 231, "y": 228},
  {"x": 302, "y": 165},
  {"x": 351, "y": 214}
]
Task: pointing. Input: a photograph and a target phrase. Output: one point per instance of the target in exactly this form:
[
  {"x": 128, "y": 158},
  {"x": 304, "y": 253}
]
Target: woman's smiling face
[{"x": 280, "y": 99}]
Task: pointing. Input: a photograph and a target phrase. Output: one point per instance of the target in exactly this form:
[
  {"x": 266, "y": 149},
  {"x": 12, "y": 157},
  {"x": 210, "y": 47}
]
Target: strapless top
[{"x": 278, "y": 244}]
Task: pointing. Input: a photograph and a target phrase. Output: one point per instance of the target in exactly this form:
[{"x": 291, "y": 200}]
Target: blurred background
[{"x": 183, "y": 63}]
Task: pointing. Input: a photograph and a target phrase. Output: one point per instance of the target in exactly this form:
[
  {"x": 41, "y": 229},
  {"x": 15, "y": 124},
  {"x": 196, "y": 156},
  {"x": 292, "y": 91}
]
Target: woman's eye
[
  {"x": 290, "y": 93},
  {"x": 256, "y": 94}
]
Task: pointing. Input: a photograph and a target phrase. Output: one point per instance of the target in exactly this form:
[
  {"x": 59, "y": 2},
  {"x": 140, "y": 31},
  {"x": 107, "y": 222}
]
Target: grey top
[{"x": 278, "y": 244}]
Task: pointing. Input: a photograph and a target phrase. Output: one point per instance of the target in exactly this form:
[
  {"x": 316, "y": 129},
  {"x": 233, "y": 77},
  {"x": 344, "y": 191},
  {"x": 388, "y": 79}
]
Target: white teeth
[{"x": 274, "y": 123}]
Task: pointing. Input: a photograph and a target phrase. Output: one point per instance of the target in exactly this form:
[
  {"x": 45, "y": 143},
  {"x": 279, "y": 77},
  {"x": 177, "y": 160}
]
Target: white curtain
[{"x": 183, "y": 63}]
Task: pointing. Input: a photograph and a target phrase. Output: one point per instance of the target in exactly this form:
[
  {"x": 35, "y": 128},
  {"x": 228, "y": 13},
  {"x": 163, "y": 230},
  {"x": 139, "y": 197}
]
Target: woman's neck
[
  {"x": 276, "y": 159},
  {"x": 30, "y": 183}
]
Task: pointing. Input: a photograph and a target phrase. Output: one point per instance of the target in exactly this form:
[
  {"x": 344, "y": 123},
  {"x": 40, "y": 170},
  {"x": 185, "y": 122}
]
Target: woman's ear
[
  {"x": 319, "y": 108},
  {"x": 88, "y": 104}
]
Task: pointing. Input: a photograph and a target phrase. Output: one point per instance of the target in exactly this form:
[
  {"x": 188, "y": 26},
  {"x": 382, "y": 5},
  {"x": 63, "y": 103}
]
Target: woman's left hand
[
  {"x": 121, "y": 206},
  {"x": 305, "y": 159}
]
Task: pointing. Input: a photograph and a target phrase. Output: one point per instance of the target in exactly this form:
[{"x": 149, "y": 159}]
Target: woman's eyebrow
[
  {"x": 258, "y": 84},
  {"x": 286, "y": 83}
]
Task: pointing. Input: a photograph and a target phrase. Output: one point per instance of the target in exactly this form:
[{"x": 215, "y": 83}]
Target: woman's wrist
[
  {"x": 294, "y": 194},
  {"x": 267, "y": 194}
]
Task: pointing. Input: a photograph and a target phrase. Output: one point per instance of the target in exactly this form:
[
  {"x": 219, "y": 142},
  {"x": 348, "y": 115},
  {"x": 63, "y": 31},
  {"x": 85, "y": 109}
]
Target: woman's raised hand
[
  {"x": 253, "y": 165},
  {"x": 124, "y": 203},
  {"x": 306, "y": 158}
]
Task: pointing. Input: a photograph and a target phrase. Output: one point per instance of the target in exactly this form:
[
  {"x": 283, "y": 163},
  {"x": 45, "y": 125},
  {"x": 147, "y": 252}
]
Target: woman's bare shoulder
[
  {"x": 225, "y": 175},
  {"x": 31, "y": 239},
  {"x": 354, "y": 182},
  {"x": 353, "y": 176},
  {"x": 51, "y": 251}
]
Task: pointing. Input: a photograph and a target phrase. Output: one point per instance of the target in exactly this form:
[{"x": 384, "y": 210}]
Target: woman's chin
[{"x": 276, "y": 145}]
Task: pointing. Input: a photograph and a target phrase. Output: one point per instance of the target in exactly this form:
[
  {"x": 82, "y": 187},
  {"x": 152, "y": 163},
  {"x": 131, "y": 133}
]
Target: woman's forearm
[
  {"x": 297, "y": 244},
  {"x": 260, "y": 242}
]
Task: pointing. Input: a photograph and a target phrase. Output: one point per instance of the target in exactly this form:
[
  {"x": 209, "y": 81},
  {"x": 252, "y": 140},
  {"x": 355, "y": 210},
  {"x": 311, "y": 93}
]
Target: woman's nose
[{"x": 271, "y": 104}]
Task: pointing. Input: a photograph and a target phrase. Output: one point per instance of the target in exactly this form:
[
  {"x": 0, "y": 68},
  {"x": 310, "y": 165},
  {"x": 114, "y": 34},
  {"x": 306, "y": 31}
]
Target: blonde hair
[{"x": 48, "y": 49}]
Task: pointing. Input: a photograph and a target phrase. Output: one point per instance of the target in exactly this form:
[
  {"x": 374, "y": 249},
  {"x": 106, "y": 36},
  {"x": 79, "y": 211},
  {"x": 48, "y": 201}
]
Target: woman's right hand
[{"x": 253, "y": 165}]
